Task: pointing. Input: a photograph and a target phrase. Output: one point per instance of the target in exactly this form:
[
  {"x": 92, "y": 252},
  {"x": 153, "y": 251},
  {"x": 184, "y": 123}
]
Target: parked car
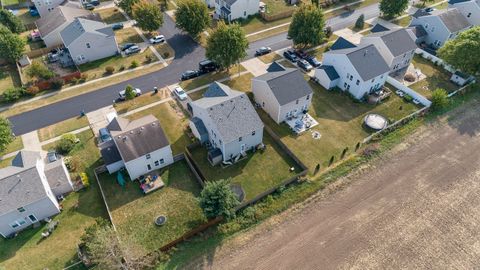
[
  {"x": 117, "y": 26},
  {"x": 301, "y": 54},
  {"x": 104, "y": 135},
  {"x": 262, "y": 51},
  {"x": 126, "y": 46},
  {"x": 290, "y": 55},
  {"x": 95, "y": 2},
  {"x": 157, "y": 39},
  {"x": 132, "y": 50},
  {"x": 180, "y": 93},
  {"x": 303, "y": 64},
  {"x": 89, "y": 6},
  {"x": 122, "y": 95},
  {"x": 190, "y": 74},
  {"x": 207, "y": 66},
  {"x": 33, "y": 11},
  {"x": 429, "y": 9},
  {"x": 312, "y": 60},
  {"x": 52, "y": 156}
]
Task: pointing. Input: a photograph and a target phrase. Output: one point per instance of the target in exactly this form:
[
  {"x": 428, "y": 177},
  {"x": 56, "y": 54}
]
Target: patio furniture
[{"x": 151, "y": 183}]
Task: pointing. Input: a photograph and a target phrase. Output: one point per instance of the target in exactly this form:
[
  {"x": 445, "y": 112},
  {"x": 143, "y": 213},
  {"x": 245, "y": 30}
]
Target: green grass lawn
[
  {"x": 9, "y": 77},
  {"x": 211, "y": 77},
  {"x": 173, "y": 122},
  {"x": 165, "y": 50},
  {"x": 257, "y": 173},
  {"x": 404, "y": 22},
  {"x": 274, "y": 7},
  {"x": 146, "y": 98},
  {"x": 61, "y": 128},
  {"x": 340, "y": 125},
  {"x": 241, "y": 83},
  {"x": 25, "y": 16},
  {"x": 134, "y": 213},
  {"x": 286, "y": 63},
  {"x": 5, "y": 163},
  {"x": 256, "y": 23},
  {"x": 355, "y": 29},
  {"x": 437, "y": 77},
  {"x": 271, "y": 57},
  {"x": 111, "y": 15},
  {"x": 127, "y": 35},
  {"x": 16, "y": 145},
  {"x": 26, "y": 251}
]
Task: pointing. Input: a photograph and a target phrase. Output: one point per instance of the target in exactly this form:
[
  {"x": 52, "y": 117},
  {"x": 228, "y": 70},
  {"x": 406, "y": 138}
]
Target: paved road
[
  {"x": 187, "y": 55},
  {"x": 419, "y": 208}
]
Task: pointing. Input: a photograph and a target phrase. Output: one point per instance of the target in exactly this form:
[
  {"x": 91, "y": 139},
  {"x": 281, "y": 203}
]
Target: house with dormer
[
  {"x": 469, "y": 8},
  {"x": 231, "y": 10}
]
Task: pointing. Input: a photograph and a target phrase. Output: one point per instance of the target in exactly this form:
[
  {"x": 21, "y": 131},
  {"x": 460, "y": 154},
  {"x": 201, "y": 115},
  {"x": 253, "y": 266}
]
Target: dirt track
[{"x": 418, "y": 209}]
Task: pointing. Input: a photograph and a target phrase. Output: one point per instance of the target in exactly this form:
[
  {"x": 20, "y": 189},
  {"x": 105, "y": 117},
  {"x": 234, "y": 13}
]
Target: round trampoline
[
  {"x": 375, "y": 121},
  {"x": 160, "y": 220}
]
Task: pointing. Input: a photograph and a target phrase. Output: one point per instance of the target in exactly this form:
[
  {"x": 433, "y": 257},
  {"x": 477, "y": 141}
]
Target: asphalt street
[{"x": 187, "y": 55}]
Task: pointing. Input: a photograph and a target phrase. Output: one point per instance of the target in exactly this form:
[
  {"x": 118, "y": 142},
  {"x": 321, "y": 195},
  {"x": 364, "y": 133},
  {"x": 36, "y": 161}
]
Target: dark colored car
[
  {"x": 303, "y": 64},
  {"x": 104, "y": 135},
  {"x": 262, "y": 51},
  {"x": 207, "y": 66},
  {"x": 290, "y": 55},
  {"x": 127, "y": 45},
  {"x": 313, "y": 61},
  {"x": 89, "y": 6},
  {"x": 301, "y": 54},
  {"x": 117, "y": 26},
  {"x": 190, "y": 74},
  {"x": 95, "y": 2}
]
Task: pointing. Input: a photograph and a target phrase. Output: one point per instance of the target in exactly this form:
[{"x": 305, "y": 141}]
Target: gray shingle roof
[
  {"x": 418, "y": 30},
  {"x": 20, "y": 186},
  {"x": 58, "y": 16},
  {"x": 25, "y": 158},
  {"x": 330, "y": 71},
  {"x": 378, "y": 28},
  {"x": 398, "y": 41},
  {"x": 233, "y": 115},
  {"x": 287, "y": 85},
  {"x": 420, "y": 13},
  {"x": 56, "y": 174},
  {"x": 140, "y": 137},
  {"x": 454, "y": 20},
  {"x": 453, "y": 2},
  {"x": 342, "y": 43},
  {"x": 109, "y": 152},
  {"x": 80, "y": 25},
  {"x": 367, "y": 60}
]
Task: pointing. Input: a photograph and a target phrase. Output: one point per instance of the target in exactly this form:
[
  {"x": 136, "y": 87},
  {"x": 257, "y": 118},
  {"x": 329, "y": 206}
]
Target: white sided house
[
  {"x": 46, "y": 7},
  {"x": 89, "y": 40},
  {"x": 396, "y": 46},
  {"x": 60, "y": 17},
  {"x": 226, "y": 121},
  {"x": 282, "y": 93},
  {"x": 140, "y": 146},
  {"x": 439, "y": 25},
  {"x": 28, "y": 190},
  {"x": 359, "y": 70},
  {"x": 231, "y": 10},
  {"x": 469, "y": 8}
]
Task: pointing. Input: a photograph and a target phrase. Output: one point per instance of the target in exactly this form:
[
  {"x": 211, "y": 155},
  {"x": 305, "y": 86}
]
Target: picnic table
[{"x": 151, "y": 183}]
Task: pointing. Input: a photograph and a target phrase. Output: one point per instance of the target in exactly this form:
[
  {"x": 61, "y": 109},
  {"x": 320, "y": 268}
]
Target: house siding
[
  {"x": 139, "y": 166},
  {"x": 471, "y": 11},
  {"x": 232, "y": 149},
  {"x": 440, "y": 32},
  {"x": 45, "y": 6},
  {"x": 264, "y": 97},
  {"x": 115, "y": 167},
  {"x": 395, "y": 63},
  {"x": 100, "y": 47},
  {"x": 66, "y": 187},
  {"x": 293, "y": 108},
  {"x": 239, "y": 9},
  {"x": 53, "y": 38}
]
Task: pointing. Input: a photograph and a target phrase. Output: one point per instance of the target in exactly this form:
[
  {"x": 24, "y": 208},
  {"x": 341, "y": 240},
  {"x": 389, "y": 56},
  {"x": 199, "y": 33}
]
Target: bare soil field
[{"x": 416, "y": 208}]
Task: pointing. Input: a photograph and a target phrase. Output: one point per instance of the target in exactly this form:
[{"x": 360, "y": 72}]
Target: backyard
[
  {"x": 8, "y": 77},
  {"x": 28, "y": 251},
  {"x": 134, "y": 213},
  {"x": 111, "y": 15},
  {"x": 256, "y": 173},
  {"x": 436, "y": 77}
]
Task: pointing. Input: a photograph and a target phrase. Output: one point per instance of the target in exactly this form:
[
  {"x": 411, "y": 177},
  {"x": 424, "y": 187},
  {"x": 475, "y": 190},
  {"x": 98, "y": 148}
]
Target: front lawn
[
  {"x": 355, "y": 29},
  {"x": 165, "y": 50},
  {"x": 271, "y": 57},
  {"x": 240, "y": 83},
  {"x": 61, "y": 128},
  {"x": 256, "y": 23},
  {"x": 6, "y": 162},
  {"x": 403, "y": 22},
  {"x": 127, "y": 35},
  {"x": 340, "y": 125},
  {"x": 15, "y": 145},
  {"x": 436, "y": 77},
  {"x": 58, "y": 251},
  {"x": 256, "y": 173},
  {"x": 111, "y": 15},
  {"x": 134, "y": 213},
  {"x": 9, "y": 78},
  {"x": 206, "y": 79},
  {"x": 173, "y": 122},
  {"x": 146, "y": 98}
]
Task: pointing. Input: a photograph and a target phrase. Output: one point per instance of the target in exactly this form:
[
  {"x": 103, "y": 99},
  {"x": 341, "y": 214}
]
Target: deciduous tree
[
  {"x": 6, "y": 136},
  {"x": 11, "y": 45},
  {"x": 218, "y": 199},
  {"x": 12, "y": 22},
  {"x": 148, "y": 15},
  {"x": 127, "y": 5},
  {"x": 192, "y": 16},
  {"x": 463, "y": 52},
  {"x": 307, "y": 27},
  {"x": 129, "y": 92},
  {"x": 393, "y": 8},
  {"x": 227, "y": 45},
  {"x": 439, "y": 99}
]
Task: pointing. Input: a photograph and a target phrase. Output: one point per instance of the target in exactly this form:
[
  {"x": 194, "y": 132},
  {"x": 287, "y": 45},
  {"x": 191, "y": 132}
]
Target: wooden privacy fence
[{"x": 277, "y": 16}]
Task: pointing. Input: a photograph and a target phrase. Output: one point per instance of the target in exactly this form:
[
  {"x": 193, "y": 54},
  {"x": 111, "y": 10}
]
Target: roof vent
[
  {"x": 153, "y": 124},
  {"x": 125, "y": 138},
  {"x": 131, "y": 131}
]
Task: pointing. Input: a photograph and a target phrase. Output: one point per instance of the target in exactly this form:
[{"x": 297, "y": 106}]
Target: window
[
  {"x": 32, "y": 218},
  {"x": 433, "y": 28},
  {"x": 162, "y": 161},
  {"x": 88, "y": 45},
  {"x": 348, "y": 75},
  {"x": 469, "y": 14},
  {"x": 308, "y": 97},
  {"x": 14, "y": 225},
  {"x": 240, "y": 139},
  {"x": 358, "y": 82},
  {"x": 345, "y": 85},
  {"x": 373, "y": 80},
  {"x": 426, "y": 26},
  {"x": 220, "y": 142},
  {"x": 244, "y": 13},
  {"x": 148, "y": 156},
  {"x": 22, "y": 222},
  {"x": 263, "y": 104},
  {"x": 157, "y": 163},
  {"x": 149, "y": 167},
  {"x": 296, "y": 102},
  {"x": 351, "y": 77},
  {"x": 253, "y": 133},
  {"x": 21, "y": 209}
]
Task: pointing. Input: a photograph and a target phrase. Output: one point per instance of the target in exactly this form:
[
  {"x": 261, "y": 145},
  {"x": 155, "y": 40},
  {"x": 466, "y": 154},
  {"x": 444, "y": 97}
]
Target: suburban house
[
  {"x": 396, "y": 46},
  {"x": 89, "y": 40},
  {"x": 231, "y": 10},
  {"x": 46, "y": 7},
  {"x": 360, "y": 70},
  {"x": 225, "y": 120},
  {"x": 282, "y": 93},
  {"x": 469, "y": 8},
  {"x": 60, "y": 17},
  {"x": 140, "y": 146},
  {"x": 439, "y": 25},
  {"x": 28, "y": 191}
]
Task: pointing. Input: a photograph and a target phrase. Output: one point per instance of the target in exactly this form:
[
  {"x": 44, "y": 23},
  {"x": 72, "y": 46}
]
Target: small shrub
[
  {"x": 328, "y": 31},
  {"x": 134, "y": 64},
  {"x": 109, "y": 70},
  {"x": 32, "y": 90},
  {"x": 360, "y": 23},
  {"x": 439, "y": 99},
  {"x": 38, "y": 70},
  {"x": 13, "y": 94},
  {"x": 166, "y": 55},
  {"x": 74, "y": 80},
  {"x": 121, "y": 68},
  {"x": 85, "y": 180},
  {"x": 407, "y": 98},
  {"x": 148, "y": 58},
  {"x": 371, "y": 150},
  {"x": 70, "y": 163},
  {"x": 66, "y": 144},
  {"x": 83, "y": 77},
  {"x": 57, "y": 83},
  {"x": 129, "y": 93}
]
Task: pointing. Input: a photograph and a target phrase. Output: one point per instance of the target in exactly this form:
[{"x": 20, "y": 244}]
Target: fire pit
[{"x": 160, "y": 220}]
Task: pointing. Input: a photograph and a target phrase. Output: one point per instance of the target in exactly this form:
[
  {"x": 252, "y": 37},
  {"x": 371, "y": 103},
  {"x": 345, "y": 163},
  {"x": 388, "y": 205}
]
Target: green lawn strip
[
  {"x": 173, "y": 122},
  {"x": 268, "y": 33},
  {"x": 127, "y": 35},
  {"x": 25, "y": 16},
  {"x": 96, "y": 69},
  {"x": 436, "y": 77},
  {"x": 165, "y": 50},
  {"x": 58, "y": 251},
  {"x": 269, "y": 58},
  {"x": 61, "y": 128},
  {"x": 146, "y": 98},
  {"x": 287, "y": 64},
  {"x": 16, "y": 145},
  {"x": 256, "y": 23},
  {"x": 9, "y": 77},
  {"x": 241, "y": 83},
  {"x": 257, "y": 173},
  {"x": 404, "y": 22},
  {"x": 341, "y": 11},
  {"x": 5, "y": 163},
  {"x": 111, "y": 15},
  {"x": 355, "y": 29},
  {"x": 211, "y": 77},
  {"x": 134, "y": 213}
]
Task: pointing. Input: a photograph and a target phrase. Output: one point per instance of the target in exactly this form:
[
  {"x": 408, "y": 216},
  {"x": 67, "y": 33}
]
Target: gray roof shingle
[
  {"x": 454, "y": 20},
  {"x": 398, "y": 41},
  {"x": 330, "y": 71},
  {"x": 60, "y": 15},
  {"x": 80, "y": 25},
  {"x": 287, "y": 85},
  {"x": 341, "y": 44},
  {"x": 56, "y": 174},
  {"x": 378, "y": 28},
  {"x": 109, "y": 152}
]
